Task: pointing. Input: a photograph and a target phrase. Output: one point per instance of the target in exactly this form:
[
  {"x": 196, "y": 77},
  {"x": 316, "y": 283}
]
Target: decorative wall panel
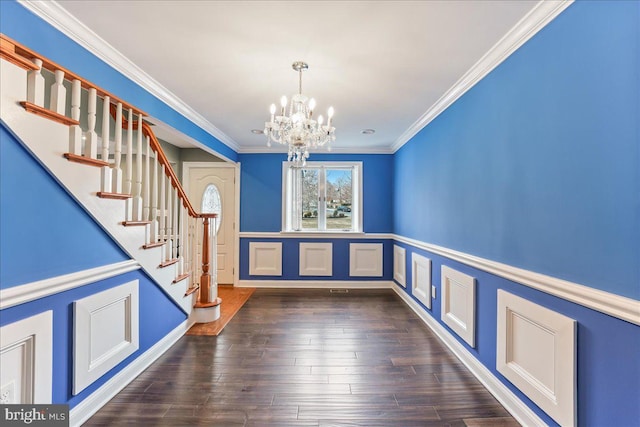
[
  {"x": 536, "y": 350},
  {"x": 365, "y": 259},
  {"x": 265, "y": 258},
  {"x": 26, "y": 358},
  {"x": 400, "y": 265},
  {"x": 105, "y": 332},
  {"x": 316, "y": 259},
  {"x": 421, "y": 279},
  {"x": 458, "y": 298}
]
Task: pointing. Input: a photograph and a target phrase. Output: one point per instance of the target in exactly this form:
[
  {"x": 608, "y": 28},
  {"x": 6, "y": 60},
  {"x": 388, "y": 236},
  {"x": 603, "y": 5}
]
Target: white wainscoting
[
  {"x": 105, "y": 332},
  {"x": 421, "y": 279},
  {"x": 536, "y": 351},
  {"x": 400, "y": 265},
  {"x": 365, "y": 259},
  {"x": 458, "y": 296},
  {"x": 26, "y": 358},
  {"x": 316, "y": 259},
  {"x": 265, "y": 258}
]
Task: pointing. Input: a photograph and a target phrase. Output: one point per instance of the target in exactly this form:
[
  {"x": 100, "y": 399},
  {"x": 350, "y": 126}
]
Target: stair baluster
[
  {"x": 58, "y": 94},
  {"x": 91, "y": 137},
  {"x": 106, "y": 177},
  {"x": 137, "y": 190},
  {"x": 75, "y": 133},
  {"x": 35, "y": 84},
  {"x": 117, "y": 166},
  {"x": 154, "y": 227}
]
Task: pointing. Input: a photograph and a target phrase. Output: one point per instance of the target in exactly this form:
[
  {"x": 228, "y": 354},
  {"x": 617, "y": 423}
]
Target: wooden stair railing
[{"x": 154, "y": 196}]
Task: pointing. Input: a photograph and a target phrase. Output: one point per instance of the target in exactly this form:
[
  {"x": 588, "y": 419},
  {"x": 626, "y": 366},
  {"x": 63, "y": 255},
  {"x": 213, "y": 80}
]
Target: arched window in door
[{"x": 211, "y": 203}]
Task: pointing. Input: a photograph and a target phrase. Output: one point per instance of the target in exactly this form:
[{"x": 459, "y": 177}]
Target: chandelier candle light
[{"x": 299, "y": 130}]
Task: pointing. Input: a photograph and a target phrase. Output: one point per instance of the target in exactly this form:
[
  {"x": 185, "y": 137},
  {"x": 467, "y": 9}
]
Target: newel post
[
  {"x": 207, "y": 309},
  {"x": 208, "y": 293}
]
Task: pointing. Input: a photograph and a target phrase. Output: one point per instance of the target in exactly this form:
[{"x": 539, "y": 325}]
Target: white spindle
[
  {"x": 182, "y": 238},
  {"x": 106, "y": 175},
  {"x": 197, "y": 256},
  {"x": 153, "y": 237},
  {"x": 176, "y": 232},
  {"x": 129, "y": 171},
  {"x": 35, "y": 84},
  {"x": 213, "y": 259},
  {"x": 58, "y": 93},
  {"x": 117, "y": 157},
  {"x": 128, "y": 176},
  {"x": 91, "y": 137},
  {"x": 75, "y": 133},
  {"x": 146, "y": 208},
  {"x": 162, "y": 223},
  {"x": 137, "y": 190},
  {"x": 169, "y": 220}
]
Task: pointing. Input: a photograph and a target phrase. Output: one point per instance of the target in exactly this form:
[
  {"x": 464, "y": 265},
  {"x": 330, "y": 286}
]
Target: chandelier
[{"x": 299, "y": 130}]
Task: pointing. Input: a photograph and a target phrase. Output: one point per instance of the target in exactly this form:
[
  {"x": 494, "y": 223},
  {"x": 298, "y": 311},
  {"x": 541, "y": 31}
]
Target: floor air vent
[{"x": 339, "y": 291}]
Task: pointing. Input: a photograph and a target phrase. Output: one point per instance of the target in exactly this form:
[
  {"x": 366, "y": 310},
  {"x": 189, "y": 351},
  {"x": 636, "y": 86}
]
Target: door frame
[{"x": 186, "y": 168}]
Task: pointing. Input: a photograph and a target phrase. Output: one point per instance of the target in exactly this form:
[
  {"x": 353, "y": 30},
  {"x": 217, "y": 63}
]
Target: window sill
[{"x": 331, "y": 233}]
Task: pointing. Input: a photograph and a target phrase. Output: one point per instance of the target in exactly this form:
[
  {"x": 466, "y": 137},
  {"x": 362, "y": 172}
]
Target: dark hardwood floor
[{"x": 309, "y": 358}]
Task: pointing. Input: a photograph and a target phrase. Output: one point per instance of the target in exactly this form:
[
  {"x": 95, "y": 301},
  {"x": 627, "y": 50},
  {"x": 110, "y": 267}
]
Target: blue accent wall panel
[
  {"x": 26, "y": 28},
  {"x": 43, "y": 231},
  {"x": 608, "y": 375},
  {"x": 261, "y": 190},
  {"x": 538, "y": 165},
  {"x": 153, "y": 327},
  {"x": 340, "y": 252}
]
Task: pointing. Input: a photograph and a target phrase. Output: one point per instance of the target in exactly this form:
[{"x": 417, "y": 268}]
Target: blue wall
[
  {"x": 340, "y": 257},
  {"x": 607, "y": 348},
  {"x": 24, "y": 27},
  {"x": 43, "y": 231},
  {"x": 538, "y": 165},
  {"x": 261, "y": 211},
  {"x": 261, "y": 190},
  {"x": 152, "y": 327}
]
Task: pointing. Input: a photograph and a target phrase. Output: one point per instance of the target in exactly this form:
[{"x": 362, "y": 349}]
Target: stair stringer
[{"x": 48, "y": 141}]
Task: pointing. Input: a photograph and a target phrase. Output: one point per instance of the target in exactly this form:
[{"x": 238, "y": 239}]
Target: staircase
[{"x": 120, "y": 176}]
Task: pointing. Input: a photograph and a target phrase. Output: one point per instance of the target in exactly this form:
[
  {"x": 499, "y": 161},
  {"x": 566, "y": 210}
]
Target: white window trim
[{"x": 357, "y": 203}]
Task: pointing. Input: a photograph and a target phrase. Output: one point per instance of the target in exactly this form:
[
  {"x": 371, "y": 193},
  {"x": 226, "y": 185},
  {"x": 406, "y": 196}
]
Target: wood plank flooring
[
  {"x": 232, "y": 300},
  {"x": 309, "y": 358}
]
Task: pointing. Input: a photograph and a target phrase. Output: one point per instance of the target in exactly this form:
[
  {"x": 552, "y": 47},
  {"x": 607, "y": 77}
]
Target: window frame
[{"x": 288, "y": 210}]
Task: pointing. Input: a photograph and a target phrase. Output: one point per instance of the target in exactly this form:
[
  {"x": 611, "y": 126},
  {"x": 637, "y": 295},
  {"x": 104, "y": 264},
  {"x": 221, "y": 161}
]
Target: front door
[{"x": 212, "y": 189}]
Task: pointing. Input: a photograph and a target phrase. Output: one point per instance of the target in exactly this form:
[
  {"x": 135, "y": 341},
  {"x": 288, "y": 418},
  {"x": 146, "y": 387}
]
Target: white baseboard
[
  {"x": 522, "y": 413},
  {"x": 316, "y": 284},
  {"x": 89, "y": 406}
]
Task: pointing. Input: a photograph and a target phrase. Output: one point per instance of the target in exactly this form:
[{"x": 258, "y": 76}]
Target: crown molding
[
  {"x": 543, "y": 13},
  {"x": 62, "y": 20}
]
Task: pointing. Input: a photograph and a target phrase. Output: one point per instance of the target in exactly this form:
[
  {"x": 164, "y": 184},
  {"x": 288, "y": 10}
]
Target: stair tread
[
  {"x": 153, "y": 245},
  {"x": 48, "y": 114},
  {"x": 117, "y": 196},
  {"x": 181, "y": 277},
  {"x": 168, "y": 263},
  {"x": 85, "y": 160},
  {"x": 135, "y": 223}
]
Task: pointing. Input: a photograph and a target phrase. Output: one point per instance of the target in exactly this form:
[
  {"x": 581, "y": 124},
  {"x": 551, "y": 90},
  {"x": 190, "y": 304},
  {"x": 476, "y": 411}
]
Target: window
[
  {"x": 211, "y": 203},
  {"x": 322, "y": 196}
]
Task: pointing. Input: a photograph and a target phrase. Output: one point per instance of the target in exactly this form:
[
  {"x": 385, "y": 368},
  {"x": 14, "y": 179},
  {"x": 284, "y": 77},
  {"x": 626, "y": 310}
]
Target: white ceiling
[{"x": 380, "y": 64}]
